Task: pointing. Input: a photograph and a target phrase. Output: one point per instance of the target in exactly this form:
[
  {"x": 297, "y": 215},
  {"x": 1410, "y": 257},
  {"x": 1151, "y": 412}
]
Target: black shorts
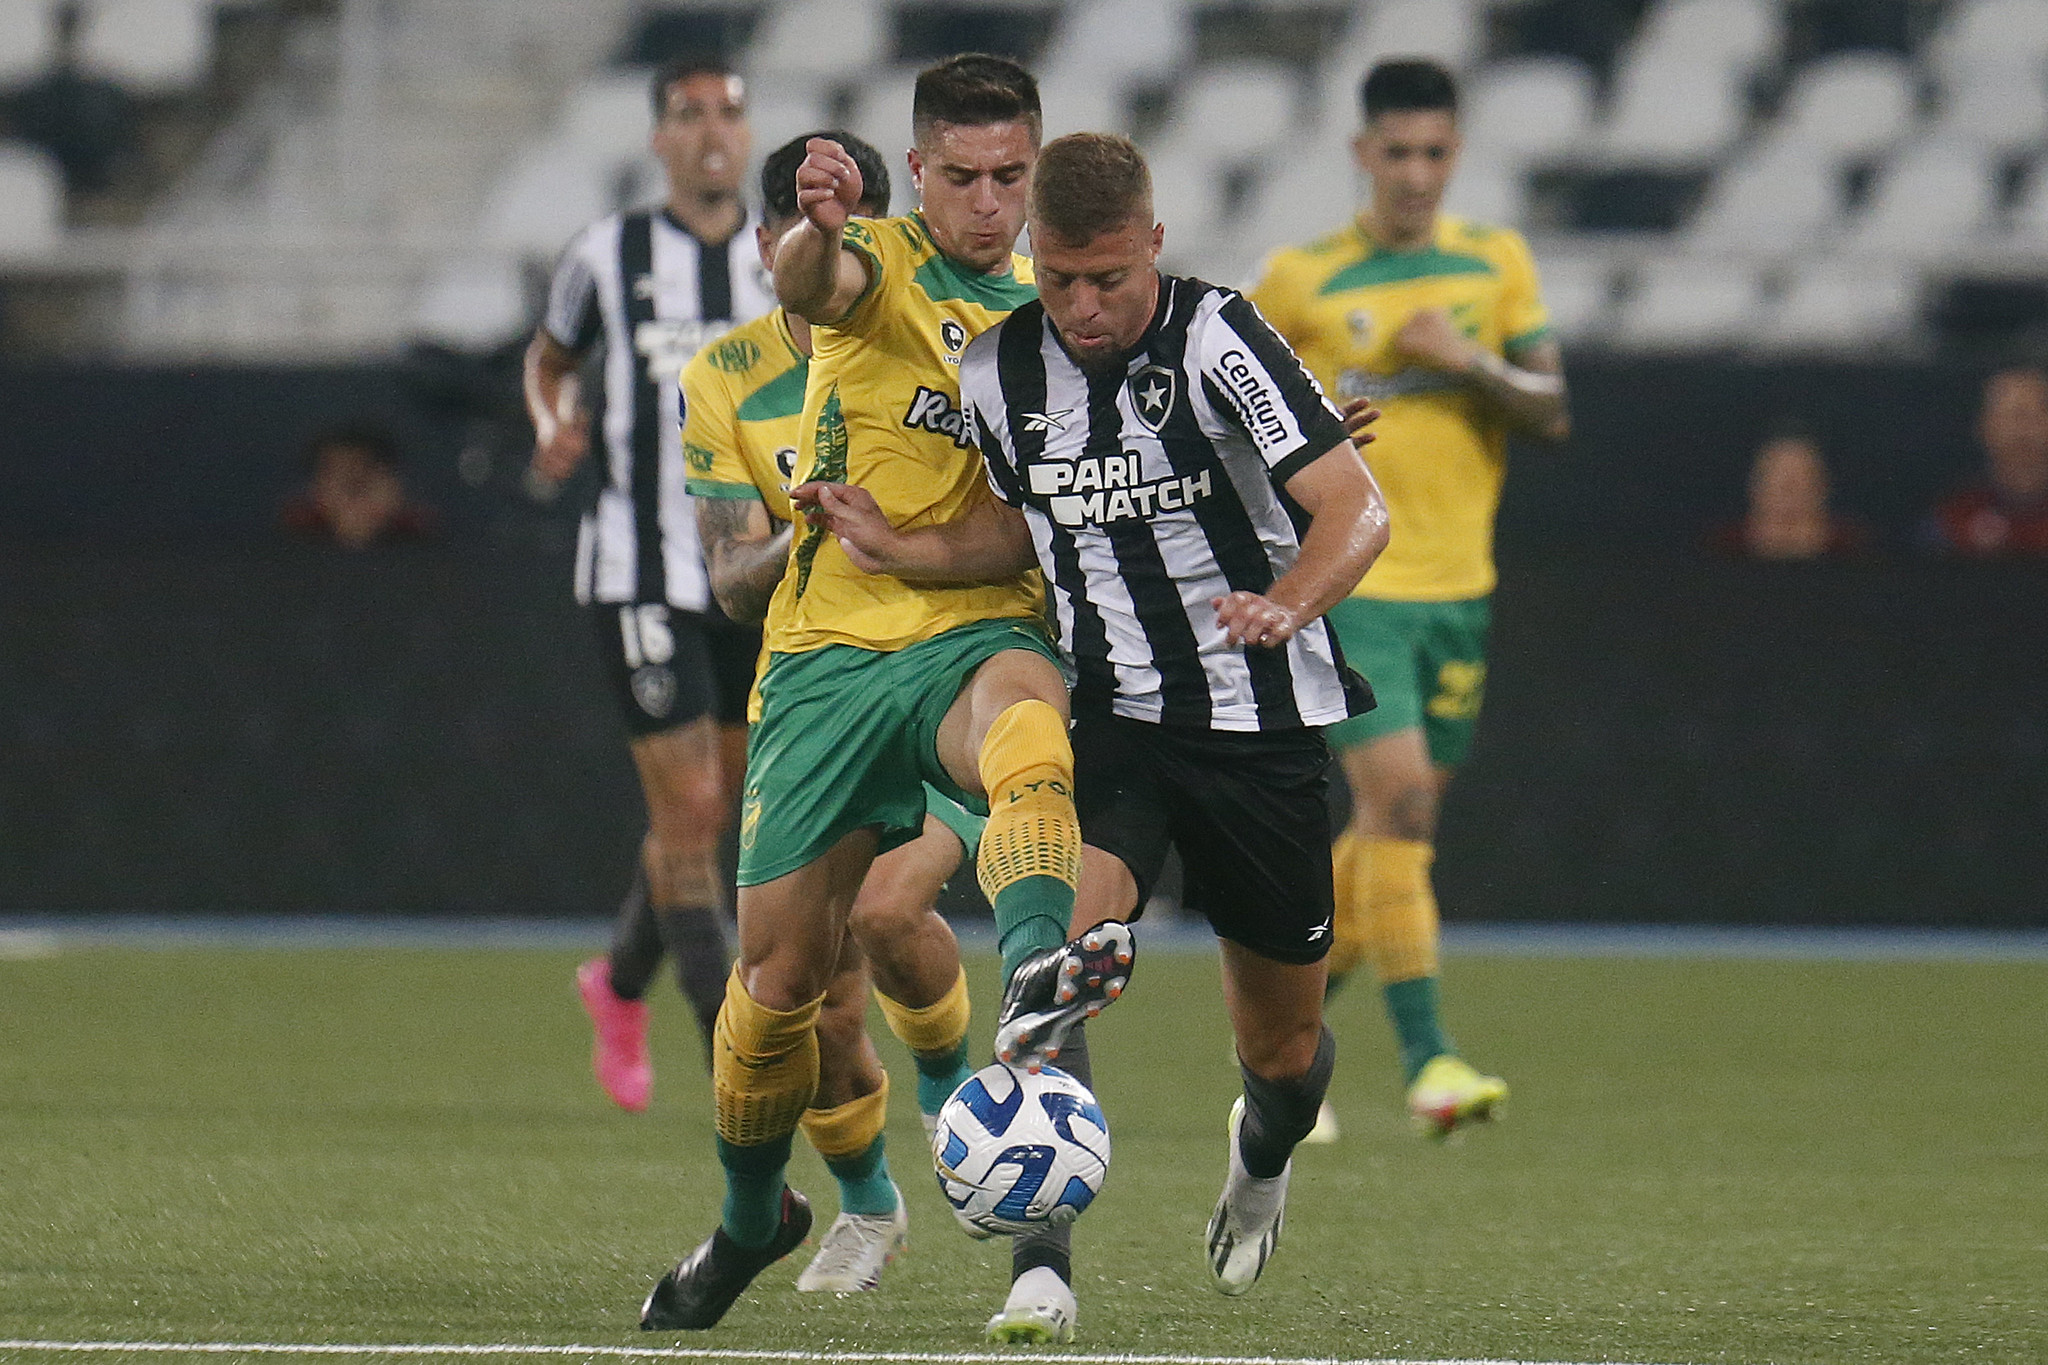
[
  {"x": 669, "y": 666},
  {"x": 1249, "y": 813}
]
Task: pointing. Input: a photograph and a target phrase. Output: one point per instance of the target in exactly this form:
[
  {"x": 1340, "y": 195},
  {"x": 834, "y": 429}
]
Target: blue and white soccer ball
[{"x": 1017, "y": 1151}]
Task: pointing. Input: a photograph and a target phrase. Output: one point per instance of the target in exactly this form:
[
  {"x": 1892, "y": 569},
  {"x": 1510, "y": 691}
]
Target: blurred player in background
[
  {"x": 875, "y": 687},
  {"x": 648, "y": 289},
  {"x": 1440, "y": 322},
  {"x": 743, "y": 400},
  {"x": 1196, "y": 506}
]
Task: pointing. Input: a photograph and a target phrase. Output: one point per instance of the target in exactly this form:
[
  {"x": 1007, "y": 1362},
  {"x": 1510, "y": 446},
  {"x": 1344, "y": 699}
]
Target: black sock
[
  {"x": 695, "y": 935},
  {"x": 1278, "y": 1114},
  {"x": 636, "y": 942},
  {"x": 1055, "y": 1246}
]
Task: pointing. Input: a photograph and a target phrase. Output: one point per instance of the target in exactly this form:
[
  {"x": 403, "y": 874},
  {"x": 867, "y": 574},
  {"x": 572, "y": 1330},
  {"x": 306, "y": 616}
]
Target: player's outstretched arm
[
  {"x": 815, "y": 276},
  {"x": 746, "y": 550},
  {"x": 1527, "y": 390},
  {"x": 991, "y": 543},
  {"x": 1346, "y": 533},
  {"x": 554, "y": 400}
]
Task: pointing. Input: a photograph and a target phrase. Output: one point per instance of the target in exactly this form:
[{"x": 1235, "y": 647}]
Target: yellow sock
[
  {"x": 937, "y": 1027},
  {"x": 764, "y": 1066},
  {"x": 1347, "y": 921},
  {"x": 1030, "y": 857},
  {"x": 851, "y": 1128},
  {"x": 1400, "y": 908}
]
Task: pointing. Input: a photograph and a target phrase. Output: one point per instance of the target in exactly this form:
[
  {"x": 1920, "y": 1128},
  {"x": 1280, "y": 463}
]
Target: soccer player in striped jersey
[
  {"x": 648, "y": 289},
  {"x": 1439, "y": 320},
  {"x": 742, "y": 404},
  {"x": 876, "y": 687},
  {"x": 1196, "y": 505}
]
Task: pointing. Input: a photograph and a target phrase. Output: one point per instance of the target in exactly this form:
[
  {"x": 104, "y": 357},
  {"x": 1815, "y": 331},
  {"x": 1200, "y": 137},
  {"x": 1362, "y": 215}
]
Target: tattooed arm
[{"x": 746, "y": 549}]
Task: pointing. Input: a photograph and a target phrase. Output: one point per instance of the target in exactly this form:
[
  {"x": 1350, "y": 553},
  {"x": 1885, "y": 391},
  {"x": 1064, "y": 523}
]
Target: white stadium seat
[
  {"x": 1234, "y": 109},
  {"x": 28, "y": 40},
  {"x": 151, "y": 46},
  {"x": 1448, "y": 30},
  {"x": 1843, "y": 305},
  {"x": 1848, "y": 105},
  {"x": 1117, "y": 42},
  {"x": 1671, "y": 113},
  {"x": 881, "y": 114},
  {"x": 1997, "y": 104},
  {"x": 474, "y": 304},
  {"x": 1303, "y": 196},
  {"x": 1770, "y": 200},
  {"x": 1933, "y": 197},
  {"x": 1683, "y": 304},
  {"x": 780, "y": 110},
  {"x": 1487, "y": 191},
  {"x": 1980, "y": 32},
  {"x": 1528, "y": 109},
  {"x": 608, "y": 117},
  {"x": 1730, "y": 35},
  {"x": 31, "y": 202},
  {"x": 820, "y": 38},
  {"x": 1579, "y": 292},
  {"x": 542, "y": 200}
]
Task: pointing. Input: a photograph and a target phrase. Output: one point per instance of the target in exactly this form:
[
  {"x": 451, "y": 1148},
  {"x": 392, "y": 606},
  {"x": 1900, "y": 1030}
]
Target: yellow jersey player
[
  {"x": 743, "y": 396},
  {"x": 1440, "y": 322},
  {"x": 875, "y": 687}
]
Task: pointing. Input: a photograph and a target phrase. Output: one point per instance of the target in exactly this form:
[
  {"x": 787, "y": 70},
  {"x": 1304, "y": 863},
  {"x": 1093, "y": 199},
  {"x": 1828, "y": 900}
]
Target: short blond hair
[{"x": 1087, "y": 184}]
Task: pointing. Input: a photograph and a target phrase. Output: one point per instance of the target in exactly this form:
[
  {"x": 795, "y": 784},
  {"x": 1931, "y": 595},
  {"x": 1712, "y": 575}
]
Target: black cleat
[
  {"x": 1057, "y": 988},
  {"x": 697, "y": 1293}
]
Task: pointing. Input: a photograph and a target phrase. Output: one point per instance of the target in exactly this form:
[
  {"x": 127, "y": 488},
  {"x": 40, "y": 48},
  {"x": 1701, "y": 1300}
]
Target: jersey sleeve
[
  {"x": 981, "y": 405},
  {"x": 1253, "y": 376},
  {"x": 711, "y": 447},
  {"x": 1524, "y": 320},
  {"x": 872, "y": 241},
  {"x": 573, "y": 318}
]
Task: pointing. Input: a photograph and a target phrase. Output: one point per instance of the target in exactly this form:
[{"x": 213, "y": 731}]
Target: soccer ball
[{"x": 1017, "y": 1151}]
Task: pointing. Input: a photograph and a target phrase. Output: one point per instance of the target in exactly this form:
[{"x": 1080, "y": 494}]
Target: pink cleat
[{"x": 619, "y": 1056}]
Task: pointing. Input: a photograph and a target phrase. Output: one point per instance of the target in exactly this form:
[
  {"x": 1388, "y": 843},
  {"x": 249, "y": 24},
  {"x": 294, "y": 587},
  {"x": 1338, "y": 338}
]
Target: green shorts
[
  {"x": 965, "y": 824},
  {"x": 848, "y": 738},
  {"x": 1426, "y": 662}
]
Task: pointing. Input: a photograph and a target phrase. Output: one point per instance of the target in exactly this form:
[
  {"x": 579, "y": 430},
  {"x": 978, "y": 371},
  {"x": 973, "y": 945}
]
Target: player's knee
[
  {"x": 1409, "y": 812},
  {"x": 1278, "y": 1051}
]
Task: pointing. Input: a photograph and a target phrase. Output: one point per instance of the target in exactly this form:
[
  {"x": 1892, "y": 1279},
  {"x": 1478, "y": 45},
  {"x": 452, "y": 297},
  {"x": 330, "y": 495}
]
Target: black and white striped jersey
[
  {"x": 653, "y": 295},
  {"x": 1153, "y": 489}
]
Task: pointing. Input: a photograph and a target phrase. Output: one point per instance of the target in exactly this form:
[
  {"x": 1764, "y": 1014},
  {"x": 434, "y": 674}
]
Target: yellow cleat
[{"x": 1449, "y": 1093}]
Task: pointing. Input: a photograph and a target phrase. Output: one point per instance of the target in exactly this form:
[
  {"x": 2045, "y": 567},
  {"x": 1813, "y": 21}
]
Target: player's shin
[
  {"x": 1030, "y": 857},
  {"x": 636, "y": 947},
  {"x": 1279, "y": 1112},
  {"x": 1053, "y": 1247},
  {"x": 936, "y": 1035},
  {"x": 764, "y": 1072},
  {"x": 1401, "y": 941},
  {"x": 695, "y": 937},
  {"x": 1348, "y": 915}
]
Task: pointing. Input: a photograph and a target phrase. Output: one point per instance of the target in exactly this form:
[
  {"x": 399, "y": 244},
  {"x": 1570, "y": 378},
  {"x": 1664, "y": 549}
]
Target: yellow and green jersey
[
  {"x": 1439, "y": 456},
  {"x": 743, "y": 403},
  {"x": 882, "y": 410}
]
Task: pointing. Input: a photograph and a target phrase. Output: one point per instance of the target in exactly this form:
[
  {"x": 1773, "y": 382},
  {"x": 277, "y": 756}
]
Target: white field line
[{"x": 452, "y": 1349}]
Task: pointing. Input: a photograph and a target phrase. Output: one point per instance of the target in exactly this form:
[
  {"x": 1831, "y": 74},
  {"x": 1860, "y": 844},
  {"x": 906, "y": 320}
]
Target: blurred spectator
[
  {"x": 2006, "y": 513},
  {"x": 356, "y": 496},
  {"x": 1789, "y": 516},
  {"x": 87, "y": 122}
]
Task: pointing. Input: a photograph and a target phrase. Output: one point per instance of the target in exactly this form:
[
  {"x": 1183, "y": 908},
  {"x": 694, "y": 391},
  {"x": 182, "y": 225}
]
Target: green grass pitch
[{"x": 1703, "y": 1161}]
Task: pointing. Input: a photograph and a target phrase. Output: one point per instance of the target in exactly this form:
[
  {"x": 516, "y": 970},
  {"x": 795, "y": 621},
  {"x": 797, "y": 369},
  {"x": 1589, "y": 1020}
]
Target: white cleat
[
  {"x": 1041, "y": 1311},
  {"x": 854, "y": 1250},
  {"x": 1326, "y": 1130},
  {"x": 1245, "y": 1228}
]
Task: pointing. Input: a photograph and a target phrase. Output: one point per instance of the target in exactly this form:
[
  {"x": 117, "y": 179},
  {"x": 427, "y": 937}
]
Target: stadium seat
[
  {"x": 31, "y": 202},
  {"x": 2028, "y": 224},
  {"x": 1486, "y": 190},
  {"x": 543, "y": 199},
  {"x": 1303, "y": 196},
  {"x": 1579, "y": 292},
  {"x": 151, "y": 46},
  {"x": 1734, "y": 36},
  {"x": 820, "y": 39},
  {"x": 881, "y": 114},
  {"x": 1076, "y": 101},
  {"x": 1849, "y": 105},
  {"x": 1448, "y": 30},
  {"x": 1843, "y": 304},
  {"x": 1100, "y": 41},
  {"x": 1997, "y": 104},
  {"x": 779, "y": 110},
  {"x": 1976, "y": 33},
  {"x": 1234, "y": 109},
  {"x": 1690, "y": 303},
  {"x": 1670, "y": 113},
  {"x": 1528, "y": 109},
  {"x": 609, "y": 116},
  {"x": 476, "y": 304},
  {"x": 1769, "y": 200},
  {"x": 28, "y": 40},
  {"x": 1933, "y": 196},
  {"x": 1186, "y": 192}
]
